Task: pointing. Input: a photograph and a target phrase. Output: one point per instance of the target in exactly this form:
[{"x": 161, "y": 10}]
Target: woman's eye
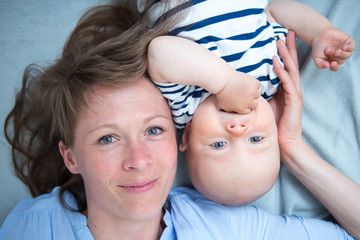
[
  {"x": 218, "y": 144},
  {"x": 107, "y": 139},
  {"x": 256, "y": 139},
  {"x": 154, "y": 131}
]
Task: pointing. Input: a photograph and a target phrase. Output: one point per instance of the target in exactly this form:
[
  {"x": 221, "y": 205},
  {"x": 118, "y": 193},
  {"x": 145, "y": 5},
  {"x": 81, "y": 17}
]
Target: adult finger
[
  {"x": 291, "y": 45},
  {"x": 288, "y": 84},
  {"x": 290, "y": 64}
]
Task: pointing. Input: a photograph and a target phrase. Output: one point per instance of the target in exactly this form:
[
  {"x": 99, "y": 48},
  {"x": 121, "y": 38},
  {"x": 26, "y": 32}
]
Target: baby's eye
[
  {"x": 107, "y": 139},
  {"x": 256, "y": 139},
  {"x": 219, "y": 145},
  {"x": 154, "y": 131}
]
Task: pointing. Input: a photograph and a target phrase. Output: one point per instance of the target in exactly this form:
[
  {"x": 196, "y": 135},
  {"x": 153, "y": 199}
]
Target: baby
[{"x": 230, "y": 134}]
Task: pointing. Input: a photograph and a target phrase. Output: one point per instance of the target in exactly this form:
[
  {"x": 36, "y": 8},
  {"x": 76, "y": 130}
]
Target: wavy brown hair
[{"x": 107, "y": 47}]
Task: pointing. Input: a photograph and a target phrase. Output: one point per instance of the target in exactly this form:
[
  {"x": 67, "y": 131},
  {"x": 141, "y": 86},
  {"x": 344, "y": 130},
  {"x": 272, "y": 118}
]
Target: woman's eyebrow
[
  {"x": 114, "y": 126},
  {"x": 111, "y": 126},
  {"x": 148, "y": 119}
]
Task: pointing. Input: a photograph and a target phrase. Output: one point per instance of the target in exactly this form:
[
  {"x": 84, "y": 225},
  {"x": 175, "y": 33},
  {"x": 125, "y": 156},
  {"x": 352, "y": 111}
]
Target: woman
[{"x": 117, "y": 141}]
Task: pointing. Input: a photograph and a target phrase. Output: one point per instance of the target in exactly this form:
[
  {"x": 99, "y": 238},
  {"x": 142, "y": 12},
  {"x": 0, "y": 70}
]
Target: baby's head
[{"x": 232, "y": 159}]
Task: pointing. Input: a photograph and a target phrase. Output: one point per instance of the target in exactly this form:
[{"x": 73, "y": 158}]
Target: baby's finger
[
  {"x": 334, "y": 66},
  {"x": 254, "y": 104},
  {"x": 329, "y": 51},
  {"x": 321, "y": 63},
  {"x": 342, "y": 55},
  {"x": 258, "y": 94},
  {"x": 349, "y": 46},
  {"x": 245, "y": 111}
]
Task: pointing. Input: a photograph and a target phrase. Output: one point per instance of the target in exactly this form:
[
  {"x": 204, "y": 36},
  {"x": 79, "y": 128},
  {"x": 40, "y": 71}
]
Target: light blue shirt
[{"x": 188, "y": 215}]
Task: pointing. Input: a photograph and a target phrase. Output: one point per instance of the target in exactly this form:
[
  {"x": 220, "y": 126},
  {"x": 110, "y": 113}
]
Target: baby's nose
[{"x": 237, "y": 128}]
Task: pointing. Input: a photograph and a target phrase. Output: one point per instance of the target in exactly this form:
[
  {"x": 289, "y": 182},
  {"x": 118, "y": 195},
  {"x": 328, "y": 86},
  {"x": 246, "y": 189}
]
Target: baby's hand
[
  {"x": 240, "y": 94},
  {"x": 331, "y": 47}
]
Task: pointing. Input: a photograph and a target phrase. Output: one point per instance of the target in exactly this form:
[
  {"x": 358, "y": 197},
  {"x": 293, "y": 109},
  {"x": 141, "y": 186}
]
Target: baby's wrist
[
  {"x": 320, "y": 31},
  {"x": 225, "y": 85}
]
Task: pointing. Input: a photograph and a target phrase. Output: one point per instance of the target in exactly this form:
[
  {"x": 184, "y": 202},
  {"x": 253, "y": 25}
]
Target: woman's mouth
[{"x": 140, "y": 188}]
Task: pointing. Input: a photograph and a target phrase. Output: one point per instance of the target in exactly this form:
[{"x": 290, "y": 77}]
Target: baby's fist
[{"x": 331, "y": 47}]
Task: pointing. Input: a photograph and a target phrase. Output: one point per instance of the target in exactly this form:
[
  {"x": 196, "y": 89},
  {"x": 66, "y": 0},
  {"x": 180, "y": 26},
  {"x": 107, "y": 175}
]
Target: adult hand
[
  {"x": 287, "y": 103},
  {"x": 341, "y": 195}
]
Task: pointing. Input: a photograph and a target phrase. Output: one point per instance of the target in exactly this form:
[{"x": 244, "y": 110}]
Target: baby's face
[{"x": 232, "y": 159}]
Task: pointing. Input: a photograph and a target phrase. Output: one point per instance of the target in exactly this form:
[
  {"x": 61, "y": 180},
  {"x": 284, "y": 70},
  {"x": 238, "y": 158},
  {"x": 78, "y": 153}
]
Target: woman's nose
[
  {"x": 237, "y": 129},
  {"x": 137, "y": 157}
]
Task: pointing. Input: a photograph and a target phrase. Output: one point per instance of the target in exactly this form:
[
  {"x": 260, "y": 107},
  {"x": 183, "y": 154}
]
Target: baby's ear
[
  {"x": 66, "y": 153},
  {"x": 185, "y": 138}
]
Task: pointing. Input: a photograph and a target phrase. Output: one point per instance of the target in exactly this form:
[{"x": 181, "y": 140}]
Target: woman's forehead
[
  {"x": 141, "y": 92},
  {"x": 139, "y": 87}
]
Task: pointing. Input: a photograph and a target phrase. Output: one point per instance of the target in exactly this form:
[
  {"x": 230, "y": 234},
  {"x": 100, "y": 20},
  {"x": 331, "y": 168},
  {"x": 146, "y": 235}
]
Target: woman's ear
[
  {"x": 66, "y": 153},
  {"x": 185, "y": 138}
]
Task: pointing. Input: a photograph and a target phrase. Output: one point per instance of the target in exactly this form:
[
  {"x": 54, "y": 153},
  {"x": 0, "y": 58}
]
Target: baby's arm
[
  {"x": 330, "y": 46},
  {"x": 181, "y": 61}
]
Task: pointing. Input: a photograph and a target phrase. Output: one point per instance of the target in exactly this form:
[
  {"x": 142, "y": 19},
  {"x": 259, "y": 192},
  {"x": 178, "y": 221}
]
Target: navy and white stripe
[
  {"x": 183, "y": 100},
  {"x": 235, "y": 30}
]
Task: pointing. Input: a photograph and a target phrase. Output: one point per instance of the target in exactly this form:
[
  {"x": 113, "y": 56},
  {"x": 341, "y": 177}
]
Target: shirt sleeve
[
  {"x": 270, "y": 226},
  {"x": 41, "y": 218},
  {"x": 194, "y": 216}
]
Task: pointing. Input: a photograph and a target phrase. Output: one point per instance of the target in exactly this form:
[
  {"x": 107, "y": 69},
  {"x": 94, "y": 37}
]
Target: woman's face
[{"x": 125, "y": 150}]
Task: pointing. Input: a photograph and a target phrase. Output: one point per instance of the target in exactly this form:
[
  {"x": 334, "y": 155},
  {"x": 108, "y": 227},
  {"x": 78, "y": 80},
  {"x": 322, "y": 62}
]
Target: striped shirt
[{"x": 235, "y": 30}]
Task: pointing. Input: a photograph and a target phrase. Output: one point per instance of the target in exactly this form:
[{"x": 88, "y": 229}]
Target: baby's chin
[
  {"x": 232, "y": 199},
  {"x": 244, "y": 193}
]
